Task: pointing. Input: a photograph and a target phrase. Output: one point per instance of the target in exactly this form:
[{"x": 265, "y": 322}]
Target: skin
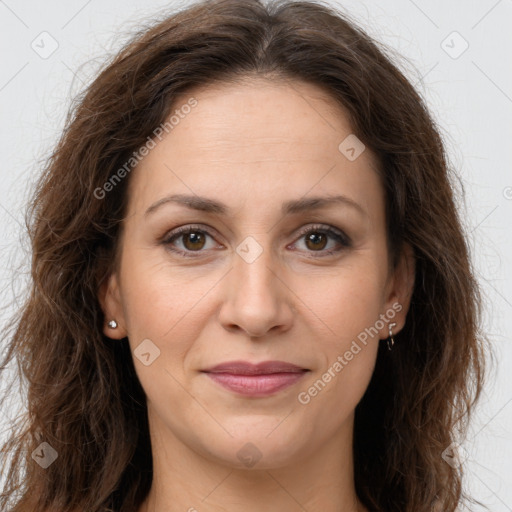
[{"x": 253, "y": 145}]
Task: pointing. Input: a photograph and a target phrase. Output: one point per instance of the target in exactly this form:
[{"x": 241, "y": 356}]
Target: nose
[{"x": 256, "y": 298}]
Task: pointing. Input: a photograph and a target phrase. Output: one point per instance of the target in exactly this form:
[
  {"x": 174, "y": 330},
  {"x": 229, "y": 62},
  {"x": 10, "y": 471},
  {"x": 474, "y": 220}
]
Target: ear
[
  {"x": 399, "y": 290},
  {"x": 110, "y": 299}
]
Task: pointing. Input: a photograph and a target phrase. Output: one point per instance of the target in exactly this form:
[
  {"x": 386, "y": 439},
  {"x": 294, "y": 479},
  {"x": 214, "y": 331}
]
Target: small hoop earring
[
  {"x": 112, "y": 324},
  {"x": 391, "y": 336}
]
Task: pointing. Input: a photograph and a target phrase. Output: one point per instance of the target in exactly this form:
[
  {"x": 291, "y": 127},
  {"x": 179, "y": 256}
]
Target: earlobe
[{"x": 110, "y": 299}]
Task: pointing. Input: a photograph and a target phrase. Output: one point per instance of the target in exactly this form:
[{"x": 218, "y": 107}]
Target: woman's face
[{"x": 272, "y": 269}]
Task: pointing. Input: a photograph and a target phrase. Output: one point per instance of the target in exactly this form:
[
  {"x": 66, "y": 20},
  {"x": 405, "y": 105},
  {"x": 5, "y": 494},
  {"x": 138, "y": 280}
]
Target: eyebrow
[{"x": 212, "y": 206}]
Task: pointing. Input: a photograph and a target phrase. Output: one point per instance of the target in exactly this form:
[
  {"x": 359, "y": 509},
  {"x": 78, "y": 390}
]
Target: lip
[{"x": 257, "y": 380}]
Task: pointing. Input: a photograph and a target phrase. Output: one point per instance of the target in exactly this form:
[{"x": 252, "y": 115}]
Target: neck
[{"x": 185, "y": 481}]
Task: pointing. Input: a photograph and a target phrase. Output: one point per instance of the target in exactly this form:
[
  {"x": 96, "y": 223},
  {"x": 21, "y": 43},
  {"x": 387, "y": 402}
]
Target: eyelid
[
  {"x": 328, "y": 229},
  {"x": 181, "y": 230}
]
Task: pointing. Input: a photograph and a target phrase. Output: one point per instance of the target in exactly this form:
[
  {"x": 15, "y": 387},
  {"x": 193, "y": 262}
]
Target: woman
[{"x": 251, "y": 288}]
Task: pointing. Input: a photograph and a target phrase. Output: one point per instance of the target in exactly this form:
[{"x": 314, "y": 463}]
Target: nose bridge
[
  {"x": 254, "y": 298},
  {"x": 254, "y": 270}
]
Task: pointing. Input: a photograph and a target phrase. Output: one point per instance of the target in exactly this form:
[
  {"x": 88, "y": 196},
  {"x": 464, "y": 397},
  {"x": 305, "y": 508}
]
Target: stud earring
[
  {"x": 391, "y": 336},
  {"x": 112, "y": 324}
]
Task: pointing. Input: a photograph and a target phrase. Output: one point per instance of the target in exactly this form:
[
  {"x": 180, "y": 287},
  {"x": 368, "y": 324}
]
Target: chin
[{"x": 256, "y": 447}]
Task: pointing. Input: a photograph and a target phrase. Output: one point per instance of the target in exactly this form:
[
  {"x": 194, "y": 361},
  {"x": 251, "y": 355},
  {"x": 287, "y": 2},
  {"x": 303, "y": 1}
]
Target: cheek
[
  {"x": 171, "y": 307},
  {"x": 331, "y": 396},
  {"x": 349, "y": 349},
  {"x": 345, "y": 303},
  {"x": 160, "y": 300},
  {"x": 165, "y": 306},
  {"x": 346, "y": 310}
]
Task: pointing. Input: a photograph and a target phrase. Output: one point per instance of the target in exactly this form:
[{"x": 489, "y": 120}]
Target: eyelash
[{"x": 339, "y": 236}]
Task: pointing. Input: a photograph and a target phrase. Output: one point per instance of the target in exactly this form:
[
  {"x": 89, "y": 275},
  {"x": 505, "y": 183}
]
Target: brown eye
[
  {"x": 193, "y": 240},
  {"x": 316, "y": 240},
  {"x": 188, "y": 240}
]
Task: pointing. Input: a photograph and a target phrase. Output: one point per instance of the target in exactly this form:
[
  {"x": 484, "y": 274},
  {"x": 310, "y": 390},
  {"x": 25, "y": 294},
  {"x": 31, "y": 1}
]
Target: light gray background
[{"x": 470, "y": 95}]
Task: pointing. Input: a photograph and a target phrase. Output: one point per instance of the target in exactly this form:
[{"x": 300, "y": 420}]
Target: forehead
[
  {"x": 254, "y": 137},
  {"x": 263, "y": 111}
]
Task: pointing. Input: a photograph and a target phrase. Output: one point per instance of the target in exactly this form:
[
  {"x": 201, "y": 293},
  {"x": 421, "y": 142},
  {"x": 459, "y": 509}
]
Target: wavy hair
[{"x": 83, "y": 395}]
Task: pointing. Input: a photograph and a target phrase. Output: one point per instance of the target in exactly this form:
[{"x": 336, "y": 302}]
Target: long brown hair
[{"x": 83, "y": 396}]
